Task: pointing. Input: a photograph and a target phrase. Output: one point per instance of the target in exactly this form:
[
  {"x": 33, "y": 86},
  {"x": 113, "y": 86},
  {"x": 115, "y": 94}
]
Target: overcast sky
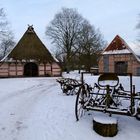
[{"x": 112, "y": 17}]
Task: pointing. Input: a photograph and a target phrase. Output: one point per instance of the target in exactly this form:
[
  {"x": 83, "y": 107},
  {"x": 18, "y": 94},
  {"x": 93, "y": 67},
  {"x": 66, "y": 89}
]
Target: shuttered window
[{"x": 106, "y": 63}]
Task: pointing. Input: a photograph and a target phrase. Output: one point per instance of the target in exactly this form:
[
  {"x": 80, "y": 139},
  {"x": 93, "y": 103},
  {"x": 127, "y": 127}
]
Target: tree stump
[{"x": 105, "y": 126}]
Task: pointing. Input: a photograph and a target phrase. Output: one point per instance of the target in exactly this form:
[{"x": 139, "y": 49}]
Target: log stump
[{"x": 105, "y": 126}]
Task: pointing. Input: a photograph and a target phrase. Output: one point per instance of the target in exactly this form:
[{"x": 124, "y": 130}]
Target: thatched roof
[{"x": 30, "y": 47}]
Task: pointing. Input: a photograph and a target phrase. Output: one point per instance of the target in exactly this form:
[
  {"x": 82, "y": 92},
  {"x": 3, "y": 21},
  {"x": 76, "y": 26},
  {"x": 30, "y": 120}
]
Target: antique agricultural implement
[
  {"x": 69, "y": 86},
  {"x": 108, "y": 96}
]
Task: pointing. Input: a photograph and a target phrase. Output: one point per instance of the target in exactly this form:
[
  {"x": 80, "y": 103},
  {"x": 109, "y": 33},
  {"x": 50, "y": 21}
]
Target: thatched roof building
[{"x": 29, "y": 57}]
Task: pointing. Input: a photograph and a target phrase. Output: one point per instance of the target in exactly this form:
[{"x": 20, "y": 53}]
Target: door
[
  {"x": 121, "y": 67},
  {"x": 30, "y": 69}
]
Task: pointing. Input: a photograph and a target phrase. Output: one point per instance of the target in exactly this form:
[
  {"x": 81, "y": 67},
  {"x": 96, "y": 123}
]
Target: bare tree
[
  {"x": 6, "y": 45},
  {"x": 63, "y": 30},
  {"x": 3, "y": 24},
  {"x": 91, "y": 43},
  {"x": 6, "y": 35},
  {"x": 74, "y": 37}
]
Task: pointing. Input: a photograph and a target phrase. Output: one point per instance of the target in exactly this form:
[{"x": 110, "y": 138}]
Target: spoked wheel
[
  {"x": 138, "y": 116},
  {"x": 67, "y": 89},
  {"x": 81, "y": 102},
  {"x": 138, "y": 112}
]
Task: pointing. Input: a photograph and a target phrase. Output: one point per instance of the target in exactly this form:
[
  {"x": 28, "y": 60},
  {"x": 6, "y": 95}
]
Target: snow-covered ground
[{"x": 36, "y": 109}]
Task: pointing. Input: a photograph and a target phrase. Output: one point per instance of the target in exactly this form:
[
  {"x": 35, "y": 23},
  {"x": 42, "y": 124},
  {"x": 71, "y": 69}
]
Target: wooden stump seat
[{"x": 105, "y": 126}]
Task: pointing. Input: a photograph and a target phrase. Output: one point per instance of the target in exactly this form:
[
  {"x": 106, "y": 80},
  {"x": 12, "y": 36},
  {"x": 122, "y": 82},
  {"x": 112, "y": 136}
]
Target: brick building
[{"x": 119, "y": 58}]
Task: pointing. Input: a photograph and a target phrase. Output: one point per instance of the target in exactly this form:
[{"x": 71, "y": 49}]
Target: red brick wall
[{"x": 133, "y": 64}]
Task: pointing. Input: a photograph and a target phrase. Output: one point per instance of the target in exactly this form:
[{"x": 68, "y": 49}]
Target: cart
[
  {"x": 69, "y": 86},
  {"x": 107, "y": 95}
]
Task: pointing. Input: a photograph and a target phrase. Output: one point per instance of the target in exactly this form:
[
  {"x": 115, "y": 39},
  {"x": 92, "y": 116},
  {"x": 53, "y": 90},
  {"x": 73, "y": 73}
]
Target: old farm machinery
[
  {"x": 69, "y": 86},
  {"x": 109, "y": 96}
]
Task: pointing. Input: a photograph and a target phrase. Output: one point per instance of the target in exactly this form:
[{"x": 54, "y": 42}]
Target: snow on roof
[
  {"x": 124, "y": 51},
  {"x": 119, "y": 46},
  {"x": 135, "y": 47},
  {"x": 55, "y": 58}
]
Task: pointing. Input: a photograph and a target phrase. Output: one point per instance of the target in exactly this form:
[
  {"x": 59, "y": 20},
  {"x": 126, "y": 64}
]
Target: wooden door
[{"x": 121, "y": 67}]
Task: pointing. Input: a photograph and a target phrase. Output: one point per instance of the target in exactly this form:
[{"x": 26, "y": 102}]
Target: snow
[
  {"x": 124, "y": 51},
  {"x": 105, "y": 119},
  {"x": 135, "y": 47},
  {"x": 108, "y": 82},
  {"x": 132, "y": 48},
  {"x": 36, "y": 109}
]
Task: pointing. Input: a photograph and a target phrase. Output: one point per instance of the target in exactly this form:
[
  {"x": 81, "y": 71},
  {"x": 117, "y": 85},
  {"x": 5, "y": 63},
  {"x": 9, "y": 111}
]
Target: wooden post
[
  {"x": 16, "y": 67},
  {"x": 51, "y": 70},
  {"x": 45, "y": 68},
  {"x": 82, "y": 78},
  {"x": 8, "y": 69},
  {"x": 108, "y": 98},
  {"x": 131, "y": 91}
]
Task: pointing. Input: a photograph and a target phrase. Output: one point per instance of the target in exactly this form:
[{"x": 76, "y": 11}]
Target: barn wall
[
  {"x": 20, "y": 69},
  {"x": 56, "y": 70},
  {"x": 41, "y": 69},
  {"x": 49, "y": 69},
  {"x": 111, "y": 63},
  {"x": 100, "y": 64},
  {"x": 123, "y": 57},
  {"x": 17, "y": 69},
  {"x": 133, "y": 64},
  {"x": 4, "y": 70},
  {"x": 136, "y": 66},
  {"x": 11, "y": 69}
]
